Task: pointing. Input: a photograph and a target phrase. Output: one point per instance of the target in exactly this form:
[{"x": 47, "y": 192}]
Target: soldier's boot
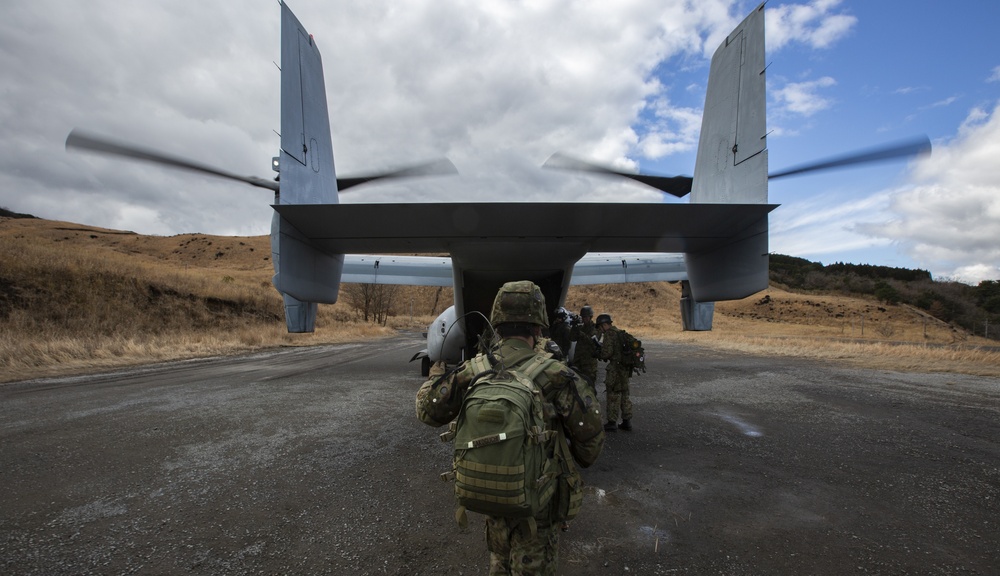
[
  {"x": 626, "y": 425},
  {"x": 610, "y": 426}
]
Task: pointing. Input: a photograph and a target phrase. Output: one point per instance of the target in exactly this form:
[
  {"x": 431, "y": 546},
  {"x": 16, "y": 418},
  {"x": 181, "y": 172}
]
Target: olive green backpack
[
  {"x": 505, "y": 444},
  {"x": 633, "y": 354}
]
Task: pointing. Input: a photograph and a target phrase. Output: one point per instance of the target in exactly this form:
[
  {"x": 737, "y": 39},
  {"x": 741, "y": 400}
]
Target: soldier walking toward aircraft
[
  {"x": 559, "y": 331},
  {"x": 569, "y": 431},
  {"x": 584, "y": 336},
  {"x": 617, "y": 376}
]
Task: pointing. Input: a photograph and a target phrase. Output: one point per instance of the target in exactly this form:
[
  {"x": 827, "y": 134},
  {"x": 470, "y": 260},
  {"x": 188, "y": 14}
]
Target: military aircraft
[{"x": 716, "y": 244}]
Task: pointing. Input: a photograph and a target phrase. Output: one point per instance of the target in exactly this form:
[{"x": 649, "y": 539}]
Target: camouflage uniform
[
  {"x": 585, "y": 355},
  {"x": 513, "y": 550},
  {"x": 616, "y": 378}
]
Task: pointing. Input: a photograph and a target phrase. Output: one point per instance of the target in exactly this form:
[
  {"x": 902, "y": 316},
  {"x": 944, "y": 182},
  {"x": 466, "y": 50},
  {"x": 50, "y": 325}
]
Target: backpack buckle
[
  {"x": 541, "y": 435},
  {"x": 450, "y": 434}
]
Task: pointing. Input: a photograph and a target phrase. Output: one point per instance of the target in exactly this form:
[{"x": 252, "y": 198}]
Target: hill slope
[{"x": 76, "y": 298}]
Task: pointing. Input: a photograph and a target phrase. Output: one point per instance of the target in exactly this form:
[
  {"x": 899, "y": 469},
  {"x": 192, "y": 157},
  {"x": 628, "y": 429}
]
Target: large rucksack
[
  {"x": 505, "y": 443},
  {"x": 633, "y": 354}
]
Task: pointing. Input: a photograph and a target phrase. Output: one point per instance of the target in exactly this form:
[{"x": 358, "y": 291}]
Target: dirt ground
[{"x": 310, "y": 461}]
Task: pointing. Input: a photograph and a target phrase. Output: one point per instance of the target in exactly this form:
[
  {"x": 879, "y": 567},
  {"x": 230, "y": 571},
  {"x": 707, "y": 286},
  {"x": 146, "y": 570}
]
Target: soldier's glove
[{"x": 438, "y": 369}]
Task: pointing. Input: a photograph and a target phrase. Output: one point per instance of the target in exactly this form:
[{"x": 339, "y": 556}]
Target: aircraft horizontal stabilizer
[{"x": 591, "y": 227}]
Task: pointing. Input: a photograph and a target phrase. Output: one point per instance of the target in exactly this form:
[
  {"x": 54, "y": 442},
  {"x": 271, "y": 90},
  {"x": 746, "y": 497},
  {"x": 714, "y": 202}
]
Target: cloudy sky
[{"x": 498, "y": 86}]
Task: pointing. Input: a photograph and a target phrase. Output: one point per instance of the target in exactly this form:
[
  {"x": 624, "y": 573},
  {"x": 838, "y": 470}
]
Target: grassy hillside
[
  {"x": 971, "y": 307},
  {"x": 76, "y": 298}
]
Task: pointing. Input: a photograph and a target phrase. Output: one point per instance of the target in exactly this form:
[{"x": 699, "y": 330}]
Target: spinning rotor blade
[
  {"x": 678, "y": 186},
  {"x": 82, "y": 141},
  {"x": 440, "y": 167},
  {"x": 915, "y": 147}
]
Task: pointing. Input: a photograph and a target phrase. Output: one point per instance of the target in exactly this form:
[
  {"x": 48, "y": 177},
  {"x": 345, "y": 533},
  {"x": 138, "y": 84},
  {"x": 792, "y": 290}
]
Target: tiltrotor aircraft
[{"x": 716, "y": 245}]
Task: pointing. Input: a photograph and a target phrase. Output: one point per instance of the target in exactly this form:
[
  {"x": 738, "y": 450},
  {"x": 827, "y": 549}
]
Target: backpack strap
[
  {"x": 480, "y": 364},
  {"x": 572, "y": 479},
  {"x": 535, "y": 366},
  {"x": 567, "y": 470}
]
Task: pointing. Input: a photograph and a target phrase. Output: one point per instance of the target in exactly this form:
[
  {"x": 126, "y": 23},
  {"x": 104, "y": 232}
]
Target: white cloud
[
  {"x": 948, "y": 220},
  {"x": 496, "y": 86},
  {"x": 905, "y": 90},
  {"x": 995, "y": 76},
  {"x": 802, "y": 98},
  {"x": 826, "y": 224},
  {"x": 944, "y": 102},
  {"x": 816, "y": 25},
  {"x": 675, "y": 129},
  {"x": 478, "y": 82},
  {"x": 975, "y": 273},
  {"x": 811, "y": 24}
]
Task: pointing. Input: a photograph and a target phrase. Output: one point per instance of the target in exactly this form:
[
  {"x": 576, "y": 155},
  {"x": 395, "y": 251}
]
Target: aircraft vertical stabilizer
[
  {"x": 731, "y": 166},
  {"x": 302, "y": 273},
  {"x": 307, "y": 170}
]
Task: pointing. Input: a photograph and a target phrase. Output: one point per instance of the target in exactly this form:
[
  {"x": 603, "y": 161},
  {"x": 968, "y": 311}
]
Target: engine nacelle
[{"x": 445, "y": 341}]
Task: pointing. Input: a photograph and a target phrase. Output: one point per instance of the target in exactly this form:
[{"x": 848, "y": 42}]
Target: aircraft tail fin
[
  {"x": 303, "y": 273},
  {"x": 731, "y": 166},
  {"x": 307, "y": 171}
]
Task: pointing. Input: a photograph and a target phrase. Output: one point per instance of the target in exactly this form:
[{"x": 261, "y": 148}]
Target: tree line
[{"x": 974, "y": 308}]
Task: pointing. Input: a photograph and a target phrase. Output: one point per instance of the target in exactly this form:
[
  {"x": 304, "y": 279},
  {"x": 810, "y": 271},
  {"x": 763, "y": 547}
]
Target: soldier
[
  {"x": 559, "y": 331},
  {"x": 584, "y": 335},
  {"x": 518, "y": 316},
  {"x": 551, "y": 340},
  {"x": 617, "y": 376}
]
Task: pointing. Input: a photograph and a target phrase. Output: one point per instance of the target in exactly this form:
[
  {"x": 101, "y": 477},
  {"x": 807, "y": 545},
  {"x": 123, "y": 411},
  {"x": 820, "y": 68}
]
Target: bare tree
[
  {"x": 373, "y": 302},
  {"x": 437, "y": 296},
  {"x": 886, "y": 329},
  {"x": 385, "y": 299}
]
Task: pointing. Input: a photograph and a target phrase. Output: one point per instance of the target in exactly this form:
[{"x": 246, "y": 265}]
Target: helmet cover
[{"x": 519, "y": 302}]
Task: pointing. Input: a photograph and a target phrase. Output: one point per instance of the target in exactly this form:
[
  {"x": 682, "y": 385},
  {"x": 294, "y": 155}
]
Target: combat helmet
[
  {"x": 587, "y": 312},
  {"x": 519, "y": 302},
  {"x": 601, "y": 319}
]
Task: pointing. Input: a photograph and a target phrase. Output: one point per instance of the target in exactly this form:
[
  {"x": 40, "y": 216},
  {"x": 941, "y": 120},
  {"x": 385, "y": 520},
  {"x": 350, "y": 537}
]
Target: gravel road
[{"x": 311, "y": 461}]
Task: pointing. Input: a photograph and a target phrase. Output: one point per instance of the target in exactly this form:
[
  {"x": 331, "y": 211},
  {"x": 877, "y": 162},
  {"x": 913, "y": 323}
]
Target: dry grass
[
  {"x": 76, "y": 299},
  {"x": 781, "y": 323}
]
